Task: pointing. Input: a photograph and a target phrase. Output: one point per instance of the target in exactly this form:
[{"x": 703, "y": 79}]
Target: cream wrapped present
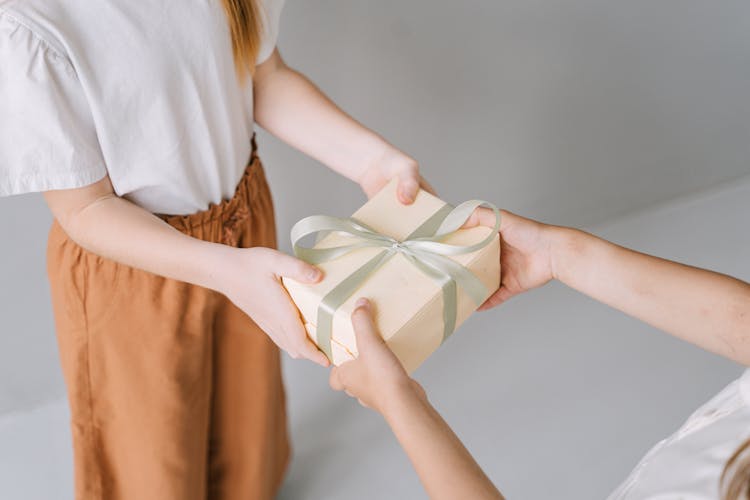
[{"x": 422, "y": 273}]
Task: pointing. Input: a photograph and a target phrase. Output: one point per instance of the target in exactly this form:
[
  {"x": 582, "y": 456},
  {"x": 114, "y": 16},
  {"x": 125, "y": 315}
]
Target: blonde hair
[
  {"x": 735, "y": 480},
  {"x": 246, "y": 27}
]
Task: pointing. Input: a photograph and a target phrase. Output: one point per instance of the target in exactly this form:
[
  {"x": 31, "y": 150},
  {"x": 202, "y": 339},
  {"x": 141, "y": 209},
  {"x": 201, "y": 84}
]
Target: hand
[
  {"x": 251, "y": 279},
  {"x": 394, "y": 163},
  {"x": 526, "y": 253},
  {"x": 376, "y": 378}
]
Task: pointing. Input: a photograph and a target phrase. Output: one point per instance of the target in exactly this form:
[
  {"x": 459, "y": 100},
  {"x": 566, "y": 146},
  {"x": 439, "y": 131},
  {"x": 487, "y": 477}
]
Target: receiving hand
[
  {"x": 251, "y": 279},
  {"x": 526, "y": 256},
  {"x": 396, "y": 164},
  {"x": 376, "y": 378}
]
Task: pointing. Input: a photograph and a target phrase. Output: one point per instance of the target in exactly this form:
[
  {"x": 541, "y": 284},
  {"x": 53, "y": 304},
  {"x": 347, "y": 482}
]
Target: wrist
[
  {"x": 567, "y": 246},
  {"x": 215, "y": 265},
  {"x": 402, "y": 395},
  {"x": 383, "y": 158}
]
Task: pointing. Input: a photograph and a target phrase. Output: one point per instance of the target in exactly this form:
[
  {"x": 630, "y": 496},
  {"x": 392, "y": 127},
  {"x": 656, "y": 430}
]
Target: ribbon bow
[{"x": 423, "y": 247}]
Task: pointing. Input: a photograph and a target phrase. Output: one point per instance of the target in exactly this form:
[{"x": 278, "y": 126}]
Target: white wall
[
  {"x": 29, "y": 365},
  {"x": 573, "y": 111}
]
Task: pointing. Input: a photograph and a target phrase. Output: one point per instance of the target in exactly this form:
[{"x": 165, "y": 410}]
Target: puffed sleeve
[
  {"x": 271, "y": 21},
  {"x": 47, "y": 134}
]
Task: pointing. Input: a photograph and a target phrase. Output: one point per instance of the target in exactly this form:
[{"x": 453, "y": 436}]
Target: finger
[
  {"x": 496, "y": 299},
  {"x": 305, "y": 347},
  {"x": 485, "y": 217},
  {"x": 507, "y": 219},
  {"x": 365, "y": 331},
  {"x": 294, "y": 331},
  {"x": 408, "y": 185},
  {"x": 302, "y": 344},
  {"x": 309, "y": 350},
  {"x": 275, "y": 333},
  {"x": 426, "y": 186},
  {"x": 480, "y": 217},
  {"x": 334, "y": 380},
  {"x": 298, "y": 270},
  {"x": 292, "y": 353}
]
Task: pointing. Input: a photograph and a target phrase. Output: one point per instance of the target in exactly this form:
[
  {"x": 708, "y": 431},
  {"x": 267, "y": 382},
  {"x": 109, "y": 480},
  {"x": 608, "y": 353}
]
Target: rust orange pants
[{"x": 175, "y": 394}]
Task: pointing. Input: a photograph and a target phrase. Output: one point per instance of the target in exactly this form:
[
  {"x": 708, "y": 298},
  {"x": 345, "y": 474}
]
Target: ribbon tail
[
  {"x": 449, "y": 291},
  {"x": 468, "y": 282},
  {"x": 338, "y": 295},
  {"x": 450, "y": 296}
]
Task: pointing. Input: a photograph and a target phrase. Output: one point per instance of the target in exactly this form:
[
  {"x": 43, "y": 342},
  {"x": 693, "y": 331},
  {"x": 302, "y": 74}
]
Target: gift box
[{"x": 417, "y": 281}]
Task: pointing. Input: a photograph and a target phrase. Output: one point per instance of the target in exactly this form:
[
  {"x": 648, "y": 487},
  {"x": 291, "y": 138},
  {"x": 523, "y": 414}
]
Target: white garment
[
  {"x": 688, "y": 464},
  {"x": 144, "y": 91}
]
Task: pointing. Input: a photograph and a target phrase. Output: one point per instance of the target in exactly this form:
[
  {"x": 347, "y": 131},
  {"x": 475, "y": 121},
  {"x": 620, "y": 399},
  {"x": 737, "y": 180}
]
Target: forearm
[
  {"x": 705, "y": 308},
  {"x": 121, "y": 231},
  {"x": 445, "y": 467},
  {"x": 292, "y": 108}
]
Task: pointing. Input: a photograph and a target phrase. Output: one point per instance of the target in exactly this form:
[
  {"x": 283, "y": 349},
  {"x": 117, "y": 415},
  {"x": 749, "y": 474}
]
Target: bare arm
[
  {"x": 444, "y": 465},
  {"x": 705, "y": 308},
  {"x": 107, "y": 225},
  {"x": 288, "y": 105},
  {"x": 445, "y": 468},
  {"x": 292, "y": 108}
]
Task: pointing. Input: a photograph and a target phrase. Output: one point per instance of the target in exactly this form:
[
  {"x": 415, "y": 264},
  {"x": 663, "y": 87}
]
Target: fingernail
[
  {"x": 313, "y": 274},
  {"x": 404, "y": 196},
  {"x": 362, "y": 302}
]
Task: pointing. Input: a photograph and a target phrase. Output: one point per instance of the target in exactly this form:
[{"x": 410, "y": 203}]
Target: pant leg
[
  {"x": 171, "y": 387},
  {"x": 136, "y": 353},
  {"x": 249, "y": 447}
]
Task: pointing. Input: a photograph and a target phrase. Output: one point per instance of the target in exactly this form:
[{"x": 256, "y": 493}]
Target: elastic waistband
[{"x": 251, "y": 182}]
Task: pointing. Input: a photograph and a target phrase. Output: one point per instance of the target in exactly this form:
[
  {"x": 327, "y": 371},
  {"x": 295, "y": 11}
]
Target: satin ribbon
[{"x": 423, "y": 247}]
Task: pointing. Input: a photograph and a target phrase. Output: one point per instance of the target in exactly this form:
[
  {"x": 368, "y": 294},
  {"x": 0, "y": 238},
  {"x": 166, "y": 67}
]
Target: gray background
[{"x": 628, "y": 118}]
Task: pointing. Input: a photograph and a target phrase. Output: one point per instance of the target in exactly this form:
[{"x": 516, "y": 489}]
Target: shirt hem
[{"x": 35, "y": 183}]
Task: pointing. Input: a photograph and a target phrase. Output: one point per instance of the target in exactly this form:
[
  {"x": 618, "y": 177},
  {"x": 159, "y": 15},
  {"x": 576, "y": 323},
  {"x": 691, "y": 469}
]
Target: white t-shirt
[
  {"x": 688, "y": 464},
  {"x": 143, "y": 91}
]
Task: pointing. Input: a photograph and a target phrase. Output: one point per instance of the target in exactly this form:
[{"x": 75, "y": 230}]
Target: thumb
[
  {"x": 408, "y": 185},
  {"x": 500, "y": 296},
  {"x": 365, "y": 331},
  {"x": 483, "y": 216},
  {"x": 296, "y": 269}
]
